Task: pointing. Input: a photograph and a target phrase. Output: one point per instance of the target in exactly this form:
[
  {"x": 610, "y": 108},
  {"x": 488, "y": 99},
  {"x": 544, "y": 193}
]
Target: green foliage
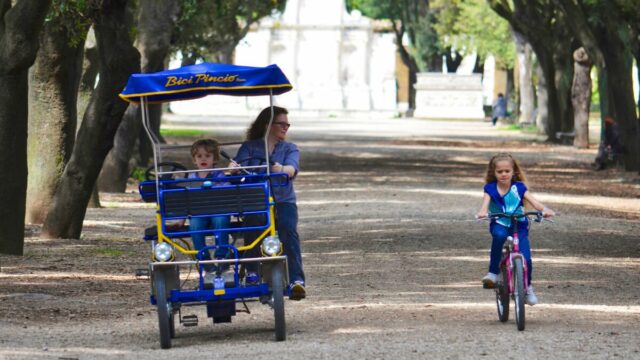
[
  {"x": 182, "y": 132},
  {"x": 208, "y": 29},
  {"x": 471, "y": 26},
  {"x": 414, "y": 18},
  {"x": 138, "y": 173},
  {"x": 70, "y": 16}
]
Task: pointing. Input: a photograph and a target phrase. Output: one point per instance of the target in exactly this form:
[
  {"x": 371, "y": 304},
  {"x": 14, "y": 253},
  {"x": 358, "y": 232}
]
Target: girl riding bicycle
[{"x": 505, "y": 191}]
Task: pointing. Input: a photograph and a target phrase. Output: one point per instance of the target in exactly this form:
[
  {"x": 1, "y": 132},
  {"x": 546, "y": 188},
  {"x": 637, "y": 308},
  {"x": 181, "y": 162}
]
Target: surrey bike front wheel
[
  {"x": 165, "y": 317},
  {"x": 277, "y": 290},
  {"x": 519, "y": 294},
  {"x": 502, "y": 296}
]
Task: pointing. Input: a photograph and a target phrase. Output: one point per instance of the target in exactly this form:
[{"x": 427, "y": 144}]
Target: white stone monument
[
  {"x": 449, "y": 96},
  {"x": 335, "y": 61}
]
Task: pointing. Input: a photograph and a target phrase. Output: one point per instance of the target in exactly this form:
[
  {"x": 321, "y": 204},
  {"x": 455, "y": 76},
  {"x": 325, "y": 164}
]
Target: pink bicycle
[{"x": 512, "y": 282}]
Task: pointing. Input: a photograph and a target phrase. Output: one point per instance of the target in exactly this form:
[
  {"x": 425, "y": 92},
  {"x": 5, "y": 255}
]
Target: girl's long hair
[
  {"x": 259, "y": 126},
  {"x": 518, "y": 174}
]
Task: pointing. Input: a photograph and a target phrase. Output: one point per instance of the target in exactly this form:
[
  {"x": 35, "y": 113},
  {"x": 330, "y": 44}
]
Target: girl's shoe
[
  {"x": 489, "y": 281},
  {"x": 532, "y": 299}
]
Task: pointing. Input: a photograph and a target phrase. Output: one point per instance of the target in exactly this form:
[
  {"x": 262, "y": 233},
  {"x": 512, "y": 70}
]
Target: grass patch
[
  {"x": 110, "y": 252},
  {"x": 183, "y": 132},
  {"x": 527, "y": 129}
]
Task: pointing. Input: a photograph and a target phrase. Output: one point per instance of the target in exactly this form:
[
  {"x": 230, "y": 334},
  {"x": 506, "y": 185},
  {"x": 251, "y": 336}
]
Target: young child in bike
[
  {"x": 206, "y": 154},
  {"x": 505, "y": 191}
]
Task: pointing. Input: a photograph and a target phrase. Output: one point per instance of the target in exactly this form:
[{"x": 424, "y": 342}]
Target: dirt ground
[{"x": 392, "y": 255}]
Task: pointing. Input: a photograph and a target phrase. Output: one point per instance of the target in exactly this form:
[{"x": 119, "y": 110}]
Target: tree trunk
[
  {"x": 581, "y": 97},
  {"x": 542, "y": 117},
  {"x": 52, "y": 117},
  {"x": 118, "y": 59},
  {"x": 155, "y": 27},
  {"x": 623, "y": 103},
  {"x": 553, "y": 103},
  {"x": 90, "y": 68},
  {"x": 563, "y": 65},
  {"x": 116, "y": 168},
  {"x": 410, "y": 62},
  {"x": 525, "y": 80},
  {"x": 20, "y": 26}
]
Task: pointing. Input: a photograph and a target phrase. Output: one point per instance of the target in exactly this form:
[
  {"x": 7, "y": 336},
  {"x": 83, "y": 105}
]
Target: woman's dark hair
[{"x": 259, "y": 126}]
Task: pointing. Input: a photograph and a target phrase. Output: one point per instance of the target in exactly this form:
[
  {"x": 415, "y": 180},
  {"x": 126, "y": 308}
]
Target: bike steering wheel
[{"x": 150, "y": 174}]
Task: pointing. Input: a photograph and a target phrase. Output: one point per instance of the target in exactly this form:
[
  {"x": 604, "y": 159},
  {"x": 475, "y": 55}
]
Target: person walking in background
[
  {"x": 499, "y": 109},
  {"x": 611, "y": 147}
]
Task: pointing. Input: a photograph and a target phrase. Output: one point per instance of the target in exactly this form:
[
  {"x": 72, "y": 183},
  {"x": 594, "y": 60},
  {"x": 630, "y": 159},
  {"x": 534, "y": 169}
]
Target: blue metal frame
[{"x": 263, "y": 185}]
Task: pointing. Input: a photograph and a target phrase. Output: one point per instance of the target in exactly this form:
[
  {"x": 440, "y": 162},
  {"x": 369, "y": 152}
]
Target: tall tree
[
  {"x": 156, "y": 26},
  {"x": 20, "y": 26},
  {"x": 118, "y": 58},
  {"x": 606, "y": 30},
  {"x": 544, "y": 27},
  {"x": 53, "y": 90}
]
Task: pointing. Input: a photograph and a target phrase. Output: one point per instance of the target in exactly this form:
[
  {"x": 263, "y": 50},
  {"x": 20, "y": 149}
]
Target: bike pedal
[
  {"x": 142, "y": 274},
  {"x": 189, "y": 320}
]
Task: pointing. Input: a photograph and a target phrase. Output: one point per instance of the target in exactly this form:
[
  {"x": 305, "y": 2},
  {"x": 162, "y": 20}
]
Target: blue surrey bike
[{"x": 181, "y": 198}]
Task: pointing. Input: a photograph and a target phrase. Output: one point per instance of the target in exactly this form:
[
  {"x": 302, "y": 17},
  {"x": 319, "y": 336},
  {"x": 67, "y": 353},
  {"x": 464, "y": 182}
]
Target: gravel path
[{"x": 392, "y": 255}]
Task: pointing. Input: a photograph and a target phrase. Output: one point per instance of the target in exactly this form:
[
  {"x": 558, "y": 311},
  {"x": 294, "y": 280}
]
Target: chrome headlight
[
  {"x": 163, "y": 251},
  {"x": 271, "y": 245}
]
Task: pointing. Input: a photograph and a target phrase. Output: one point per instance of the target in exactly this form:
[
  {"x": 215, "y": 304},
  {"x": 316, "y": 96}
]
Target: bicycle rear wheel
[
  {"x": 519, "y": 295},
  {"x": 502, "y": 296}
]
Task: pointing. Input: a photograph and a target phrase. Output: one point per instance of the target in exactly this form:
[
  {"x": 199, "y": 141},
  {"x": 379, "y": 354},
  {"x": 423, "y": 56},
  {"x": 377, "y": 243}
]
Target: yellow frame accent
[
  {"x": 129, "y": 97},
  {"x": 271, "y": 230}
]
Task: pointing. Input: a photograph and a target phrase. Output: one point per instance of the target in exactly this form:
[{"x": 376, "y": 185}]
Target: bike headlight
[
  {"x": 163, "y": 251},
  {"x": 271, "y": 245}
]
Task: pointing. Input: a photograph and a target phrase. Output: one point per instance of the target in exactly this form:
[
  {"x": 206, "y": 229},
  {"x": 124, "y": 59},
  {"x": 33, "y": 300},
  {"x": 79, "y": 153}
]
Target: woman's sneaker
[
  {"x": 297, "y": 291},
  {"x": 489, "y": 281},
  {"x": 532, "y": 299}
]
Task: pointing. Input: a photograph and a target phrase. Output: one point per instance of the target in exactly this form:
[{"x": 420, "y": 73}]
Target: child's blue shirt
[{"x": 510, "y": 203}]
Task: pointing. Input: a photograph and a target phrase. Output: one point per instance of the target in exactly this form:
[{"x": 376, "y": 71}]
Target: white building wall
[{"x": 333, "y": 59}]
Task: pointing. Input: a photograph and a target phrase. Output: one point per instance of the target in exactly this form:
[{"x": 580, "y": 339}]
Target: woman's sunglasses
[{"x": 283, "y": 125}]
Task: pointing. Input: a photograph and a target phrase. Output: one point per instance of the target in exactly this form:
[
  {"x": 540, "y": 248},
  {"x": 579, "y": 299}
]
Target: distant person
[
  {"x": 505, "y": 191},
  {"x": 611, "y": 147},
  {"x": 284, "y": 157},
  {"x": 499, "y": 109}
]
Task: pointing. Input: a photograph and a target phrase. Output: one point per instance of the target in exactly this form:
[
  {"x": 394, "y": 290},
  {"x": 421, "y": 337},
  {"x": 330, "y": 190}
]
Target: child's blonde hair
[
  {"x": 490, "y": 176},
  {"x": 210, "y": 146}
]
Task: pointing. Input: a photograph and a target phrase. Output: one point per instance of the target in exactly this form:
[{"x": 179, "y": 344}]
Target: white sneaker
[
  {"x": 489, "y": 281},
  {"x": 532, "y": 299}
]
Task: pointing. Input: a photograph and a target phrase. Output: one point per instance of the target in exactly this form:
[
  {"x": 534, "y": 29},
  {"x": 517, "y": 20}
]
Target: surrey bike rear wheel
[
  {"x": 519, "y": 295},
  {"x": 502, "y": 296}
]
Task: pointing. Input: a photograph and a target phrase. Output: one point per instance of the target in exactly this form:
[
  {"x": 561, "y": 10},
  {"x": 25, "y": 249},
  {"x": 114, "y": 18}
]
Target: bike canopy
[{"x": 196, "y": 81}]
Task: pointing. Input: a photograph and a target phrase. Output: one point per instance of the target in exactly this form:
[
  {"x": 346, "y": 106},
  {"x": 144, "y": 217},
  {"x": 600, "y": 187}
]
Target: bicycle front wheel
[
  {"x": 519, "y": 295},
  {"x": 502, "y": 296}
]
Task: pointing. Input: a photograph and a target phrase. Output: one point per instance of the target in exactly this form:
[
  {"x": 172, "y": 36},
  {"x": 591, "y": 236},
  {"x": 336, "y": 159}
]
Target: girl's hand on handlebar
[
  {"x": 546, "y": 212},
  {"x": 482, "y": 215}
]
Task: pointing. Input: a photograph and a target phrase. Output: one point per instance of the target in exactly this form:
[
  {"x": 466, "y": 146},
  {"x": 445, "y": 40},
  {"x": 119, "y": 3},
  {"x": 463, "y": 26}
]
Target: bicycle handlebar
[{"x": 538, "y": 214}]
